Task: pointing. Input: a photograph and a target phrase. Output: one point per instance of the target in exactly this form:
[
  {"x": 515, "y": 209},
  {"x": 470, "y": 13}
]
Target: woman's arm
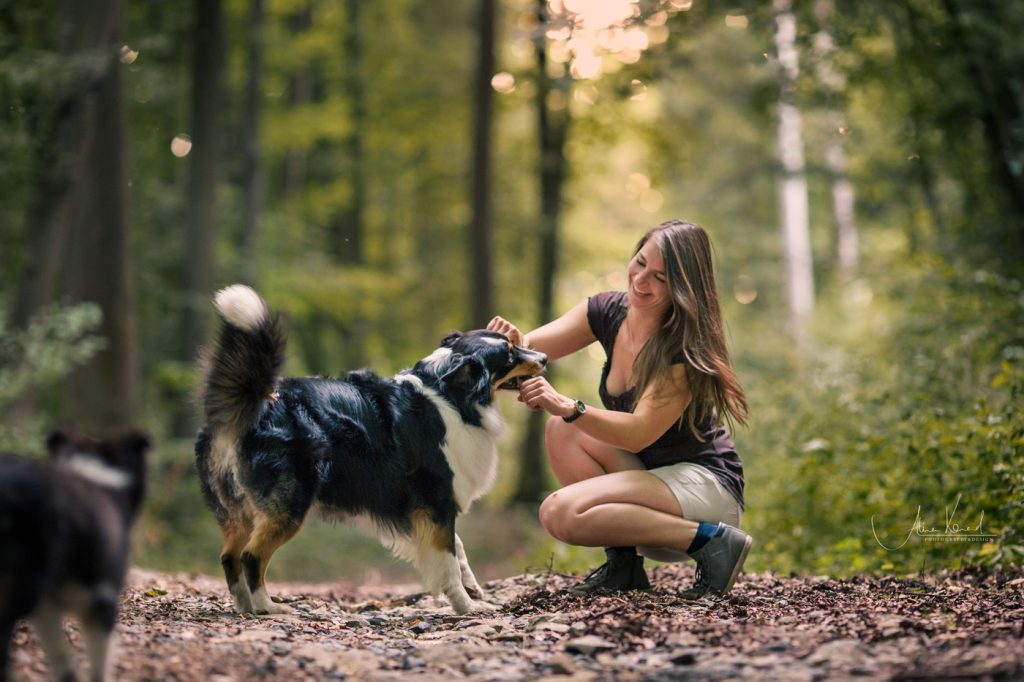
[
  {"x": 632, "y": 431},
  {"x": 564, "y": 336}
]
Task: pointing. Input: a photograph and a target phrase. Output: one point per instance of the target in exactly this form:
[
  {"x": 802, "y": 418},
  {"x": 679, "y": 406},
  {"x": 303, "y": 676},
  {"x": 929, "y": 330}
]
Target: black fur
[
  {"x": 61, "y": 530},
  {"x": 364, "y": 444}
]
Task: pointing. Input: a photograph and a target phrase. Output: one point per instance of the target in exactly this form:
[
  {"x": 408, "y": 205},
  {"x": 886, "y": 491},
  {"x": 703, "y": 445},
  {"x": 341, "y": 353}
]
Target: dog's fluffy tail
[{"x": 244, "y": 367}]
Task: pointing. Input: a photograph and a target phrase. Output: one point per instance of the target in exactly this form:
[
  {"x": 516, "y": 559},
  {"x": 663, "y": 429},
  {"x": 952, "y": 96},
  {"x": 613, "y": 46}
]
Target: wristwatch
[{"x": 580, "y": 409}]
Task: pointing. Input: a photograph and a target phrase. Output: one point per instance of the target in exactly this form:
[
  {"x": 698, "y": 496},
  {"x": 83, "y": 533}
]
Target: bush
[
  {"x": 908, "y": 435},
  {"x": 34, "y": 360}
]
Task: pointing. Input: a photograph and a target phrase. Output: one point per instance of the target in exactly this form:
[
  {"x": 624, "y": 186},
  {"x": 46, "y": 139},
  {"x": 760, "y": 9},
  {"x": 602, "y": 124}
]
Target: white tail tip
[{"x": 241, "y": 307}]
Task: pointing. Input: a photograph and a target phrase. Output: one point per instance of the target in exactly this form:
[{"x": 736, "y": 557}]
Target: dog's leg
[
  {"x": 6, "y": 634},
  {"x": 439, "y": 565},
  {"x": 468, "y": 579},
  {"x": 98, "y": 620},
  {"x": 268, "y": 535},
  {"x": 236, "y": 532},
  {"x": 50, "y": 630}
]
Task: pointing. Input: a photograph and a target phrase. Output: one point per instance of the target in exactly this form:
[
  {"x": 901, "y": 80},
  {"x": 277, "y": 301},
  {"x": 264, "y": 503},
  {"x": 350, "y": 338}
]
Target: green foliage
[
  {"x": 917, "y": 417},
  {"x": 36, "y": 358}
]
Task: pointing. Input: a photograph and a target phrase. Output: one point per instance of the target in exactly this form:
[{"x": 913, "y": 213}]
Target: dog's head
[
  {"x": 477, "y": 364},
  {"x": 118, "y": 462}
]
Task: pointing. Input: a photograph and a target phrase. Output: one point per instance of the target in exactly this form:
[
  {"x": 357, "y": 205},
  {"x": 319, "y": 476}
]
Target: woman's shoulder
[
  {"x": 607, "y": 300},
  {"x": 604, "y": 311}
]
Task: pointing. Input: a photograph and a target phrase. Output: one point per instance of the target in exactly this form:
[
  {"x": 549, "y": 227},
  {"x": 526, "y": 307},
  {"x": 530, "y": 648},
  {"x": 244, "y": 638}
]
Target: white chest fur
[{"x": 472, "y": 451}]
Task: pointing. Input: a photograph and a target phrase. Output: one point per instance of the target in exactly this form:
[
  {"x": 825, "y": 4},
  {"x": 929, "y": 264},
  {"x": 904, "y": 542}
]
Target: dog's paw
[
  {"x": 474, "y": 590},
  {"x": 267, "y": 607},
  {"x": 480, "y": 606}
]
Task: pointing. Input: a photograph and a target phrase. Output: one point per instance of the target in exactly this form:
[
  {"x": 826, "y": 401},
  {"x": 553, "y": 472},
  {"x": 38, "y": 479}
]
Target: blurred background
[{"x": 387, "y": 172}]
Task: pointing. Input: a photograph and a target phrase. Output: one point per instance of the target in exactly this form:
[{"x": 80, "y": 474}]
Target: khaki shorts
[{"x": 700, "y": 496}]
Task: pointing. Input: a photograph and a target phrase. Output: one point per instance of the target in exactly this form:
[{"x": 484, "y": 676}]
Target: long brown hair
[{"x": 691, "y": 329}]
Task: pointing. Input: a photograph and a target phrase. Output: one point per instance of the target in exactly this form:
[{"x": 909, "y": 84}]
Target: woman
[{"x": 656, "y": 468}]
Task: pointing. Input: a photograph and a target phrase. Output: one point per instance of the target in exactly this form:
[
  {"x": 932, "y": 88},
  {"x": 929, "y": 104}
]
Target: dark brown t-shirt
[{"x": 717, "y": 452}]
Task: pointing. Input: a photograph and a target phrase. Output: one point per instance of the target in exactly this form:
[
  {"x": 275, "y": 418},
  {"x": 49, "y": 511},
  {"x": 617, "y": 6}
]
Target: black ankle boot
[{"x": 624, "y": 570}]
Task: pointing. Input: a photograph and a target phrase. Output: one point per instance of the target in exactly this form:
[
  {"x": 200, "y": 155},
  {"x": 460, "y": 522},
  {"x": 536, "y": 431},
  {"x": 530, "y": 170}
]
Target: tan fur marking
[
  {"x": 440, "y": 538},
  {"x": 268, "y": 536}
]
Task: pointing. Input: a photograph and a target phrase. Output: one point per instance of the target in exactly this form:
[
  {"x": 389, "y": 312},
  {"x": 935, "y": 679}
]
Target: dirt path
[{"x": 962, "y": 625}]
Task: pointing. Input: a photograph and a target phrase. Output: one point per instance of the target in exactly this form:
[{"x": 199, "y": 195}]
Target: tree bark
[
  {"x": 1001, "y": 113},
  {"x": 58, "y": 137},
  {"x": 254, "y": 182},
  {"x": 481, "y": 230},
  {"x": 300, "y": 91},
  {"x": 833, "y": 84},
  {"x": 553, "y": 130},
  {"x": 101, "y": 394},
  {"x": 201, "y": 220},
  {"x": 345, "y": 230},
  {"x": 793, "y": 201}
]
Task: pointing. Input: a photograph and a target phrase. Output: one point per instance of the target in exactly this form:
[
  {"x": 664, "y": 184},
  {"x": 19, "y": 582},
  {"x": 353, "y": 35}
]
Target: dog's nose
[{"x": 543, "y": 360}]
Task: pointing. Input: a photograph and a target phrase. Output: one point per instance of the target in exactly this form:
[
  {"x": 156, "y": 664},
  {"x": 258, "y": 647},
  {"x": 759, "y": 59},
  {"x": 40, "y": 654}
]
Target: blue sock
[{"x": 705, "y": 531}]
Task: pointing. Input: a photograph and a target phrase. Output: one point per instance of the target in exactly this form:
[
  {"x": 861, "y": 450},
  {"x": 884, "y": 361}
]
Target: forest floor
[{"x": 959, "y": 625}]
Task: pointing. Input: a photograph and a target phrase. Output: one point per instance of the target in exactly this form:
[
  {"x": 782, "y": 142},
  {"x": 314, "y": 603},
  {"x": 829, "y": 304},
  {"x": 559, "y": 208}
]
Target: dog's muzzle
[{"x": 532, "y": 365}]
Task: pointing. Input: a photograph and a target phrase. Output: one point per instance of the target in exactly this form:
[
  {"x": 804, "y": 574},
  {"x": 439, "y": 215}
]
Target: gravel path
[{"x": 950, "y": 625}]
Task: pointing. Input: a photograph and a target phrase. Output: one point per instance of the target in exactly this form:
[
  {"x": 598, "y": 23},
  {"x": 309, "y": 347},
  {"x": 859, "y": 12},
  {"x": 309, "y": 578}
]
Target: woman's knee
[{"x": 555, "y": 515}]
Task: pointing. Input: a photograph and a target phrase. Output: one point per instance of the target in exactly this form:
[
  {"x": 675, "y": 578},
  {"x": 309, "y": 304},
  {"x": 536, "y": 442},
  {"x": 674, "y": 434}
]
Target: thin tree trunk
[
  {"x": 57, "y": 140},
  {"x": 58, "y": 136},
  {"x": 101, "y": 394},
  {"x": 254, "y": 182},
  {"x": 552, "y": 129},
  {"x": 300, "y": 91},
  {"x": 793, "y": 202},
  {"x": 345, "y": 232},
  {"x": 1001, "y": 116},
  {"x": 481, "y": 229},
  {"x": 833, "y": 84},
  {"x": 201, "y": 220}
]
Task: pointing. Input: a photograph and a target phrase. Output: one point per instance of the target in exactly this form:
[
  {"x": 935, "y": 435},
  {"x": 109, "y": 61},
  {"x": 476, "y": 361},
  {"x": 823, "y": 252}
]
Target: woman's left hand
[{"x": 538, "y": 395}]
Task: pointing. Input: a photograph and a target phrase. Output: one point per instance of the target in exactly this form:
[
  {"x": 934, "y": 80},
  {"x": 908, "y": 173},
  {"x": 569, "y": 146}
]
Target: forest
[{"x": 384, "y": 173}]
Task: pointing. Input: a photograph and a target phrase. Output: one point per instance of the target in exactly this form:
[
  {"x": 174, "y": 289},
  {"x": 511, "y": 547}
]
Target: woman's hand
[
  {"x": 538, "y": 395},
  {"x": 503, "y": 326}
]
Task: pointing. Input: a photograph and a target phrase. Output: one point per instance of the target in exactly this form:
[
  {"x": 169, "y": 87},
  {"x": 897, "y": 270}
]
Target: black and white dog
[
  {"x": 409, "y": 453},
  {"x": 65, "y": 525}
]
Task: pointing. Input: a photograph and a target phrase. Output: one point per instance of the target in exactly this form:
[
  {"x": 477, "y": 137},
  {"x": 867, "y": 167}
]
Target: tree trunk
[
  {"x": 101, "y": 394},
  {"x": 1001, "y": 117},
  {"x": 345, "y": 233},
  {"x": 833, "y": 84},
  {"x": 481, "y": 285},
  {"x": 793, "y": 202},
  {"x": 254, "y": 182},
  {"x": 300, "y": 91},
  {"x": 58, "y": 137},
  {"x": 201, "y": 220},
  {"x": 552, "y": 129}
]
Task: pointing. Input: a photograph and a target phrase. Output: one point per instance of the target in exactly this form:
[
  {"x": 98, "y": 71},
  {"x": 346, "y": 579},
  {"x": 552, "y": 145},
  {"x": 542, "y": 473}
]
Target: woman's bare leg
[
  {"x": 575, "y": 456},
  {"x": 620, "y": 509}
]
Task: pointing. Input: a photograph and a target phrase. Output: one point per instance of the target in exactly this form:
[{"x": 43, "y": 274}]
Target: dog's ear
[
  {"x": 56, "y": 442},
  {"x": 466, "y": 372},
  {"x": 451, "y": 339},
  {"x": 136, "y": 442}
]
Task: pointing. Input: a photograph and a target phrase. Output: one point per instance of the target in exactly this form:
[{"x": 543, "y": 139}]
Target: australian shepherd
[
  {"x": 65, "y": 524},
  {"x": 409, "y": 453}
]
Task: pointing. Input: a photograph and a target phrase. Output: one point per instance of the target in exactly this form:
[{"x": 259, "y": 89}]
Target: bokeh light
[
  {"x": 181, "y": 145},
  {"x": 503, "y": 82},
  {"x": 745, "y": 290}
]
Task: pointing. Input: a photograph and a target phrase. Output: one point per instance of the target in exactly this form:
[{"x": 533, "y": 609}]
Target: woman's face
[{"x": 648, "y": 283}]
